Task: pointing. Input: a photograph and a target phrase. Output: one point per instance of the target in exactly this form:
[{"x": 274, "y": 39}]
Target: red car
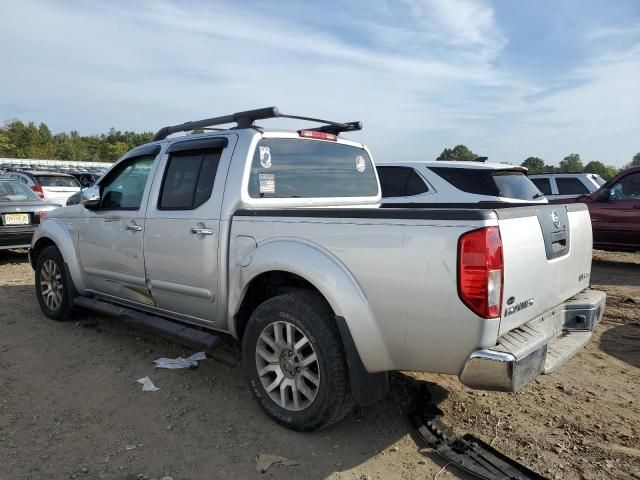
[{"x": 615, "y": 212}]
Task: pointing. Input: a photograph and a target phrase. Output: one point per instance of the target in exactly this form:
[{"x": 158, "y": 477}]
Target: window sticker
[
  {"x": 267, "y": 182},
  {"x": 265, "y": 157},
  {"x": 360, "y": 163}
]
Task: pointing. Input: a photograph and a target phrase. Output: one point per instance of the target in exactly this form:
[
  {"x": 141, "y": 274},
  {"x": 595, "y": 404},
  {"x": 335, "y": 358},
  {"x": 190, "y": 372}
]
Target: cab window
[
  {"x": 123, "y": 187},
  {"x": 627, "y": 188}
]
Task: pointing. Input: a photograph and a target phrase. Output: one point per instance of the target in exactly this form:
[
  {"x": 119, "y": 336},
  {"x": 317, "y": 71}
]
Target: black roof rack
[{"x": 247, "y": 118}]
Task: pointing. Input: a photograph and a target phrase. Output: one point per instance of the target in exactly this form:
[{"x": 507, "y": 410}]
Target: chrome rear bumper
[{"x": 538, "y": 347}]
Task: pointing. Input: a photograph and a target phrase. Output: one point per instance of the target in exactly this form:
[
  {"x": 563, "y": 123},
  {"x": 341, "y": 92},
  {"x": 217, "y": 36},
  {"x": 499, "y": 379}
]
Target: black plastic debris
[{"x": 468, "y": 453}]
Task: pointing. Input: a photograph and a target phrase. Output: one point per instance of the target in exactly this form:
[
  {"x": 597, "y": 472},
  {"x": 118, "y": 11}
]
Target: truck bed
[{"x": 405, "y": 263}]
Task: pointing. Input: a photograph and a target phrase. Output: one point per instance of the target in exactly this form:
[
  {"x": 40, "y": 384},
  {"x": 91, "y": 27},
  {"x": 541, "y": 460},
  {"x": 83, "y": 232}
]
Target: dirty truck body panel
[{"x": 392, "y": 275}]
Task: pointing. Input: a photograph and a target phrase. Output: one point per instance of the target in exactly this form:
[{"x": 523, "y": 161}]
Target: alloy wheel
[
  {"x": 51, "y": 286},
  {"x": 287, "y": 366}
]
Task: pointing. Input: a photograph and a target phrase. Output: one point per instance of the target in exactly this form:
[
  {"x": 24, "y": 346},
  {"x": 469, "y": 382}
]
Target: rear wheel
[
  {"x": 296, "y": 364},
  {"x": 53, "y": 289}
]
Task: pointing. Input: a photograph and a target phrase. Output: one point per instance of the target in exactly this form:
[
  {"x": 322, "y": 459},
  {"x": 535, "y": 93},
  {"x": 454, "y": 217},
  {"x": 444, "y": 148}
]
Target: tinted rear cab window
[
  {"x": 495, "y": 183},
  {"x": 299, "y": 168}
]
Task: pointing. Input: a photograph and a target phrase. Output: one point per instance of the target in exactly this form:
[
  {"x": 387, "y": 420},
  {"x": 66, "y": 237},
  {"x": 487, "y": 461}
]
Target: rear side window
[
  {"x": 188, "y": 180},
  {"x": 543, "y": 184},
  {"x": 501, "y": 183},
  {"x": 299, "y": 168},
  {"x": 400, "y": 182},
  {"x": 570, "y": 186},
  {"x": 56, "y": 181}
]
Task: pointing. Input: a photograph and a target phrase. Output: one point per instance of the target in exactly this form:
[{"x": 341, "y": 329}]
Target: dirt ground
[{"x": 70, "y": 406}]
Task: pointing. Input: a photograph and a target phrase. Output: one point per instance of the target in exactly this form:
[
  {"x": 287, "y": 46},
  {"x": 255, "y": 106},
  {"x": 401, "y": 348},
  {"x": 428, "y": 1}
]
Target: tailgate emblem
[
  {"x": 555, "y": 219},
  {"x": 518, "y": 306}
]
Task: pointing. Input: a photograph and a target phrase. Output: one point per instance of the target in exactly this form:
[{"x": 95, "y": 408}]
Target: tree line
[
  {"x": 26, "y": 140},
  {"x": 570, "y": 163}
]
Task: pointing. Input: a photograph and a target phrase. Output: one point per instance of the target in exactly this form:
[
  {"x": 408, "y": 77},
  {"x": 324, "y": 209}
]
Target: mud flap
[{"x": 468, "y": 453}]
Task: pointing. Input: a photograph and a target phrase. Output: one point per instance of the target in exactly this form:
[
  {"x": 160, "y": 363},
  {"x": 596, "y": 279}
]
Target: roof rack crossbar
[{"x": 245, "y": 120}]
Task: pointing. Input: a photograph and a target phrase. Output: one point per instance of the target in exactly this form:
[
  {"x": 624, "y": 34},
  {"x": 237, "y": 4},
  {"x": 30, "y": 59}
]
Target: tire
[
  {"x": 297, "y": 315},
  {"x": 54, "y": 289}
]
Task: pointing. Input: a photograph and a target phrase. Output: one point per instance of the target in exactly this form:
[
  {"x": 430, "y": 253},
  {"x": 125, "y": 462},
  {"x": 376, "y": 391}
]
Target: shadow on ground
[
  {"x": 606, "y": 272},
  {"x": 623, "y": 343},
  {"x": 13, "y": 257}
]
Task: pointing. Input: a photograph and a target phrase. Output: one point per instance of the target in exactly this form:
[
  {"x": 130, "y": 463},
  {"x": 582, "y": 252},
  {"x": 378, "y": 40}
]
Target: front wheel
[
  {"x": 296, "y": 364},
  {"x": 53, "y": 289}
]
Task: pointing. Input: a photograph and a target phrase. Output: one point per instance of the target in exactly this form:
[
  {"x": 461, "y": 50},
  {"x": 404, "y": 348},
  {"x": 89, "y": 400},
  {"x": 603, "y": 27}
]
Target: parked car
[
  {"x": 423, "y": 183},
  {"x": 615, "y": 212},
  {"x": 213, "y": 233},
  {"x": 561, "y": 187},
  {"x": 56, "y": 187},
  {"x": 21, "y": 210}
]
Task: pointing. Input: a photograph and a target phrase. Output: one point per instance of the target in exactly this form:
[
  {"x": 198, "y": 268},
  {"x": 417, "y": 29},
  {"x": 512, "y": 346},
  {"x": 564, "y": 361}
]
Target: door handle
[
  {"x": 201, "y": 231},
  {"x": 134, "y": 228}
]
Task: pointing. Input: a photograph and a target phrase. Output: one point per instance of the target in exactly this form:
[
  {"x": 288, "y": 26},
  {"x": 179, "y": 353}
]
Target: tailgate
[{"x": 547, "y": 259}]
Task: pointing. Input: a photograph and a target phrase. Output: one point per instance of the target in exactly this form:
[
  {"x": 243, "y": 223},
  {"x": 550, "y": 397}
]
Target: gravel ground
[{"x": 70, "y": 406}]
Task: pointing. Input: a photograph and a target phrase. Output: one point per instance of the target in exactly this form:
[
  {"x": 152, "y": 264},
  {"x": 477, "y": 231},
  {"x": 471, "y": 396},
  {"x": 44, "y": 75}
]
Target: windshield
[
  {"x": 12, "y": 191},
  {"x": 299, "y": 168},
  {"x": 56, "y": 181},
  {"x": 501, "y": 183}
]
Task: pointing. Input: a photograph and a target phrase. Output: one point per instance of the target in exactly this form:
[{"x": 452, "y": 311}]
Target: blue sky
[{"x": 510, "y": 79}]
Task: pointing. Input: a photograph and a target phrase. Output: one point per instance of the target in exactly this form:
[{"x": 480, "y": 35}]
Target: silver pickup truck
[{"x": 275, "y": 237}]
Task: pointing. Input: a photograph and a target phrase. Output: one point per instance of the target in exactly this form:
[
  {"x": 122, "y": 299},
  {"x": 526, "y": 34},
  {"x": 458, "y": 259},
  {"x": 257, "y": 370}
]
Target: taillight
[
  {"x": 480, "y": 271},
  {"x": 317, "y": 135},
  {"x": 38, "y": 190}
]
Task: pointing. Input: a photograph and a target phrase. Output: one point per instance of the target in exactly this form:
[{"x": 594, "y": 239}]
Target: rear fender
[
  {"x": 61, "y": 234},
  {"x": 330, "y": 277}
]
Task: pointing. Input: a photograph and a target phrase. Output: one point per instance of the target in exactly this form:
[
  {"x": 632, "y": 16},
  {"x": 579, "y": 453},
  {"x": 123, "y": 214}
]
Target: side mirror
[
  {"x": 604, "y": 195},
  {"x": 90, "y": 197}
]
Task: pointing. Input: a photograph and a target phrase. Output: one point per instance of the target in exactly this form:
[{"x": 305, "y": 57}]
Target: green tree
[
  {"x": 571, "y": 163},
  {"x": 460, "y": 153},
  {"x": 45, "y": 133},
  {"x": 635, "y": 162},
  {"x": 597, "y": 167},
  {"x": 534, "y": 165},
  {"x": 610, "y": 172},
  {"x": 6, "y": 147}
]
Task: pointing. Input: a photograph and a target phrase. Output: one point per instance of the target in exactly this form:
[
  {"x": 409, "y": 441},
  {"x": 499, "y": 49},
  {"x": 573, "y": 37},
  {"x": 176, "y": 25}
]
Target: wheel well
[
  {"x": 40, "y": 245},
  {"x": 264, "y": 287},
  {"x": 367, "y": 388}
]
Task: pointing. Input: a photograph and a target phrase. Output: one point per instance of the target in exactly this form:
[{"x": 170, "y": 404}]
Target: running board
[
  {"x": 187, "y": 336},
  {"x": 468, "y": 453}
]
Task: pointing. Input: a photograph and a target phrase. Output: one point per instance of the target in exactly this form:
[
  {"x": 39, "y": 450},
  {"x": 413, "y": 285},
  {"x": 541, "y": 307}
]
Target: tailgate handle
[{"x": 559, "y": 240}]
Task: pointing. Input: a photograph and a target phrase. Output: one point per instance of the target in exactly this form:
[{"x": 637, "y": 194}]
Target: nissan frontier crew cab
[{"x": 275, "y": 237}]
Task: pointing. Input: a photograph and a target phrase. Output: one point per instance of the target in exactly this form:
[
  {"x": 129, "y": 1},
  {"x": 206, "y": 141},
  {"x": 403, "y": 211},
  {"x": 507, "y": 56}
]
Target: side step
[{"x": 187, "y": 336}]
